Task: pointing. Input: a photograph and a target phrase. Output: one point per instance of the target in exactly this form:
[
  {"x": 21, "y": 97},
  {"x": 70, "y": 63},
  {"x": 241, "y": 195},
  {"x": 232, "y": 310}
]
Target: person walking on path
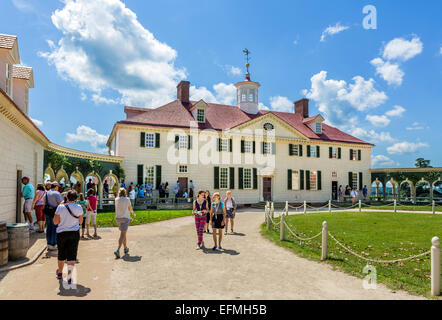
[
  {"x": 68, "y": 217},
  {"x": 123, "y": 209},
  {"x": 217, "y": 219},
  {"x": 52, "y": 200},
  {"x": 365, "y": 192},
  {"x": 230, "y": 205},
  {"x": 28, "y": 192},
  {"x": 354, "y": 196},
  {"x": 92, "y": 214},
  {"x": 209, "y": 206},
  {"x": 38, "y": 204},
  {"x": 86, "y": 207},
  {"x": 200, "y": 209}
]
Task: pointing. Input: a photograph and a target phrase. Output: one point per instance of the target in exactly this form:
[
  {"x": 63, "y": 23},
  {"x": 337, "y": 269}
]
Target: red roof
[{"x": 221, "y": 117}]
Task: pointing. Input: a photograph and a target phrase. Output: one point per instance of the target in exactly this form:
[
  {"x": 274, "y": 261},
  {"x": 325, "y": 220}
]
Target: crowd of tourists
[{"x": 351, "y": 193}]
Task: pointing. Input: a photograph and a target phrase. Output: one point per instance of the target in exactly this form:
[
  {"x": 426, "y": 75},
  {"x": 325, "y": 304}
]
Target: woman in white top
[
  {"x": 68, "y": 217},
  {"x": 123, "y": 208},
  {"x": 132, "y": 195}
]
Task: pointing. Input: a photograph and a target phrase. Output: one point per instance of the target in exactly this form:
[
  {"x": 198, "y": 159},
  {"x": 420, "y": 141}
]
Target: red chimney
[
  {"x": 301, "y": 107},
  {"x": 183, "y": 91}
]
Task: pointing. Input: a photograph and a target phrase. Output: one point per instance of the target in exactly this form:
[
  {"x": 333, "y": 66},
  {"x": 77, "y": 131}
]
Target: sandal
[{"x": 59, "y": 275}]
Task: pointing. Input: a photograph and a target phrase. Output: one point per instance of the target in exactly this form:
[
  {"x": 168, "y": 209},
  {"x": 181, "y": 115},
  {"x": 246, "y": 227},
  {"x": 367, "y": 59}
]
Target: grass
[
  {"x": 379, "y": 235},
  {"x": 408, "y": 208},
  {"x": 106, "y": 219}
]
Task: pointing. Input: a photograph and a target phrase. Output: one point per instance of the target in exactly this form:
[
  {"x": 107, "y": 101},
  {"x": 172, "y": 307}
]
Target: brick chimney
[
  {"x": 301, "y": 107},
  {"x": 183, "y": 91}
]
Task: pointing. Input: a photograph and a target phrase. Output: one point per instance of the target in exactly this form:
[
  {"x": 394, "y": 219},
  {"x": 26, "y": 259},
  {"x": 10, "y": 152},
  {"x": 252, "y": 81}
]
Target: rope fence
[{"x": 282, "y": 226}]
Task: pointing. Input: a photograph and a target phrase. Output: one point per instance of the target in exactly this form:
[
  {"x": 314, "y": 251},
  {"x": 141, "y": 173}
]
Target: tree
[{"x": 422, "y": 163}]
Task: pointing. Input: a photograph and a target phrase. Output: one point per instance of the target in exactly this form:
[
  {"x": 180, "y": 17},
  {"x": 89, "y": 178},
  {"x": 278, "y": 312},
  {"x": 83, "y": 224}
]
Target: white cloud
[
  {"x": 402, "y": 49},
  {"x": 406, "y": 147},
  {"x": 440, "y": 50},
  {"x": 38, "y": 123},
  {"x": 372, "y": 136},
  {"x": 22, "y": 5},
  {"x": 279, "y": 103},
  {"x": 339, "y": 101},
  {"x": 222, "y": 93},
  {"x": 235, "y": 71},
  {"x": 89, "y": 135},
  {"x": 416, "y": 126},
  {"x": 332, "y": 30},
  {"x": 382, "y": 161},
  {"x": 397, "y": 111},
  {"x": 378, "y": 121},
  {"x": 262, "y": 106},
  {"x": 104, "y": 47},
  {"x": 390, "y": 72}
]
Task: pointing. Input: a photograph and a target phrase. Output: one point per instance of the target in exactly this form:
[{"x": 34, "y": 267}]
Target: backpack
[{"x": 48, "y": 210}]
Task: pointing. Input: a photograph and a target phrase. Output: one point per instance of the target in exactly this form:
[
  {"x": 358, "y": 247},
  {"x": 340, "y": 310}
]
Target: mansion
[{"x": 259, "y": 155}]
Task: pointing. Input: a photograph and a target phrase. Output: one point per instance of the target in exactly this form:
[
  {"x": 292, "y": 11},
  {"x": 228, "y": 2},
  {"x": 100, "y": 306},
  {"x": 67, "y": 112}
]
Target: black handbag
[{"x": 48, "y": 210}]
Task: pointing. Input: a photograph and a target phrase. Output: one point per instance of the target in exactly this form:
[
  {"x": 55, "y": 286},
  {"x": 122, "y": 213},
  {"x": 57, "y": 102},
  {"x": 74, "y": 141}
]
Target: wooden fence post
[
  {"x": 324, "y": 241},
  {"x": 282, "y": 228},
  {"x": 286, "y": 208},
  {"x": 305, "y": 206},
  {"x": 329, "y": 205},
  {"x": 395, "y": 205},
  {"x": 269, "y": 221},
  {"x": 272, "y": 209},
  {"x": 433, "y": 207},
  {"x": 435, "y": 267}
]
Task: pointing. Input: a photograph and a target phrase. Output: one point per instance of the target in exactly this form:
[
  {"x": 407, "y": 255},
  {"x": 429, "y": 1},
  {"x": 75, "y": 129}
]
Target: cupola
[{"x": 247, "y": 91}]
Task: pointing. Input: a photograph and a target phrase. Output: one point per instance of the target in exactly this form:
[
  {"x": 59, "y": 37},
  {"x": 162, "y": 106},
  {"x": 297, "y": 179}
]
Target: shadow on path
[
  {"x": 77, "y": 290},
  {"x": 223, "y": 251},
  {"x": 129, "y": 258}
]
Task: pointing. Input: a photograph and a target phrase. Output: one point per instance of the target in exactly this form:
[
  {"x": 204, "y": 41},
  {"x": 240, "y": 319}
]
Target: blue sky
[{"x": 91, "y": 58}]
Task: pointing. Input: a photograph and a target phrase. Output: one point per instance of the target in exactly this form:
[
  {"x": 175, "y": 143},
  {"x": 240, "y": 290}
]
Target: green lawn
[
  {"x": 378, "y": 235},
  {"x": 406, "y": 208},
  {"x": 106, "y": 219}
]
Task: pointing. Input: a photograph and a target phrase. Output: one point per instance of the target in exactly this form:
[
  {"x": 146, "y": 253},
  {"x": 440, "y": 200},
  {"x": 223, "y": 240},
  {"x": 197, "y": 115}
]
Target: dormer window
[
  {"x": 251, "y": 95},
  {"x": 318, "y": 128},
  {"x": 201, "y": 115},
  {"x": 244, "y": 95}
]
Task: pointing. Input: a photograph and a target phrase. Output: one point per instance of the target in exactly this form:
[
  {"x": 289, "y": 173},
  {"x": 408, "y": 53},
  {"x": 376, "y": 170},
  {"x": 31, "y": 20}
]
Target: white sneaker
[
  {"x": 31, "y": 227},
  {"x": 198, "y": 247}
]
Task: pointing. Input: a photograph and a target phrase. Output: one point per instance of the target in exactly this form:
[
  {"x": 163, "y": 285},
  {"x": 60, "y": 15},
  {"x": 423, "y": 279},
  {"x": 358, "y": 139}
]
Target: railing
[{"x": 282, "y": 226}]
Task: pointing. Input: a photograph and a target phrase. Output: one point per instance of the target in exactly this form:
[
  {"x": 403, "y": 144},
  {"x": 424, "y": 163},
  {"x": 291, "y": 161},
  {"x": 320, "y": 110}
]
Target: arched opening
[
  {"x": 63, "y": 179},
  {"x": 389, "y": 191},
  {"x": 77, "y": 182},
  {"x": 437, "y": 191},
  {"x": 405, "y": 193},
  {"x": 49, "y": 175},
  {"x": 110, "y": 186},
  {"x": 93, "y": 181},
  {"x": 423, "y": 191}
]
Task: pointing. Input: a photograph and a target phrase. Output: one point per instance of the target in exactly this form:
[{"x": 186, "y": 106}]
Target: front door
[
  {"x": 334, "y": 190},
  {"x": 183, "y": 185},
  {"x": 267, "y": 189}
]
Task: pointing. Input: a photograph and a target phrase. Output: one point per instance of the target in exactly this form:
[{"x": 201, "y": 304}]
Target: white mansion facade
[{"x": 259, "y": 155}]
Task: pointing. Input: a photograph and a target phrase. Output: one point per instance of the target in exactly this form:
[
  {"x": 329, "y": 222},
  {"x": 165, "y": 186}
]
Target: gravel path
[{"x": 163, "y": 264}]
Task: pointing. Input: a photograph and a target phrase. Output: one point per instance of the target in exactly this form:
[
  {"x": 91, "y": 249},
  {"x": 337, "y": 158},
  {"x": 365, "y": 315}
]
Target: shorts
[
  {"x": 207, "y": 217},
  {"x": 91, "y": 215},
  {"x": 217, "y": 221},
  {"x": 27, "y": 206},
  {"x": 123, "y": 223},
  {"x": 230, "y": 214},
  {"x": 39, "y": 213},
  {"x": 67, "y": 243}
]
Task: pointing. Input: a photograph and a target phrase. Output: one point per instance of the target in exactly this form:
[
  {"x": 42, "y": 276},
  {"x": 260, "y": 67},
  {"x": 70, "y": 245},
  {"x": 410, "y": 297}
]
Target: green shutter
[
  {"x": 330, "y": 152},
  {"x": 318, "y": 150},
  {"x": 230, "y": 145},
  {"x": 262, "y": 147},
  {"x": 319, "y": 180},
  {"x": 219, "y": 145},
  {"x": 350, "y": 179},
  {"x": 351, "y": 154},
  {"x": 339, "y": 153},
  {"x": 308, "y": 151},
  {"x": 142, "y": 139},
  {"x": 177, "y": 142},
  {"x": 216, "y": 177},
  {"x": 360, "y": 181},
  {"x": 359, "y": 155},
  {"x": 189, "y": 142},
  {"x": 289, "y": 179},
  {"x": 273, "y": 148},
  {"x": 291, "y": 149},
  {"x": 232, "y": 178},
  {"x": 301, "y": 179},
  {"x": 157, "y": 140},
  {"x": 255, "y": 179},
  {"x": 300, "y": 150},
  {"x": 307, "y": 180},
  {"x": 158, "y": 176},
  {"x": 243, "y": 148},
  {"x": 254, "y": 147},
  {"x": 140, "y": 174},
  {"x": 240, "y": 178}
]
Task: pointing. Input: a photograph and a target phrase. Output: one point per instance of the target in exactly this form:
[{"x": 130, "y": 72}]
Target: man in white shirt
[{"x": 354, "y": 196}]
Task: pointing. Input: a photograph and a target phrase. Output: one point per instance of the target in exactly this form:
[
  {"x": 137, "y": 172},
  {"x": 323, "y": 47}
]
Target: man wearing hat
[{"x": 28, "y": 192}]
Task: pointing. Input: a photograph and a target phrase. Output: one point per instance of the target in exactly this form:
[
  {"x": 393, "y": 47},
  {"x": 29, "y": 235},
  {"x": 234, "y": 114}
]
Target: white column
[
  {"x": 435, "y": 267},
  {"x": 324, "y": 241}
]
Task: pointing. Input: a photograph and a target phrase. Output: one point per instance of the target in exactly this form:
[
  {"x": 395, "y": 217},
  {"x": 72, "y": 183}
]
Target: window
[
  {"x": 294, "y": 150},
  {"x": 247, "y": 178},
  {"x": 150, "y": 140},
  {"x": 149, "y": 174},
  {"x": 183, "y": 142},
  {"x": 334, "y": 153},
  {"x": 295, "y": 180},
  {"x": 267, "y": 148},
  {"x": 354, "y": 154},
  {"x": 224, "y": 145},
  {"x": 318, "y": 128},
  {"x": 248, "y": 147},
  {"x": 313, "y": 180},
  {"x": 223, "y": 178},
  {"x": 252, "y": 95},
  {"x": 334, "y": 175},
  {"x": 355, "y": 181},
  {"x": 201, "y": 115},
  {"x": 243, "y": 95},
  {"x": 313, "y": 151},
  {"x": 182, "y": 169},
  {"x": 9, "y": 79}
]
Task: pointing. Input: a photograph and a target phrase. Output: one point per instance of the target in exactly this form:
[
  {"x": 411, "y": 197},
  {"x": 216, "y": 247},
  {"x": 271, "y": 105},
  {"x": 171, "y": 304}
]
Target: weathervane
[{"x": 247, "y": 53}]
